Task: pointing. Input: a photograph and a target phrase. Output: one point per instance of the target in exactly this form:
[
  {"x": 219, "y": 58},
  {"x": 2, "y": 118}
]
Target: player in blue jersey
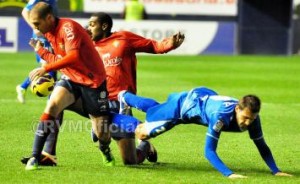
[
  {"x": 205, "y": 107},
  {"x": 21, "y": 88}
]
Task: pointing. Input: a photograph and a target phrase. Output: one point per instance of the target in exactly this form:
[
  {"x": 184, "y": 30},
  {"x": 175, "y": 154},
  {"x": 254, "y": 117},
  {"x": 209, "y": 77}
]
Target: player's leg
[
  {"x": 138, "y": 102},
  {"x": 21, "y": 90},
  {"x": 122, "y": 130},
  {"x": 159, "y": 119},
  {"x": 60, "y": 99},
  {"x": 97, "y": 107},
  {"x": 48, "y": 156}
]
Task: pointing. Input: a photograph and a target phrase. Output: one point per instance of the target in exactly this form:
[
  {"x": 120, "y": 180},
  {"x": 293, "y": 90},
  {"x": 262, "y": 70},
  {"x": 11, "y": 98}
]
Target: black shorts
[{"x": 94, "y": 100}]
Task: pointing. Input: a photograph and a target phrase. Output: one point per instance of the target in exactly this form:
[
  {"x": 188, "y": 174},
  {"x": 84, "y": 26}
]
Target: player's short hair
[
  {"x": 104, "y": 18},
  {"x": 250, "y": 101},
  {"x": 42, "y": 9}
]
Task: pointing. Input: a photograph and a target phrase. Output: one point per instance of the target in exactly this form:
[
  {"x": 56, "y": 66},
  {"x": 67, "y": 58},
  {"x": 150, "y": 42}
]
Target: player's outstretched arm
[
  {"x": 282, "y": 174},
  {"x": 236, "y": 176}
]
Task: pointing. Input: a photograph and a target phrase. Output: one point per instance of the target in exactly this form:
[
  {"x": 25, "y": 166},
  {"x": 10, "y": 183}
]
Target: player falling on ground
[{"x": 205, "y": 107}]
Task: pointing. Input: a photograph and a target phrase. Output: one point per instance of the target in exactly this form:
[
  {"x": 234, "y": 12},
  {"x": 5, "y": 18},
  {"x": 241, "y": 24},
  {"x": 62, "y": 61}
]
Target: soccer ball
[{"x": 42, "y": 86}]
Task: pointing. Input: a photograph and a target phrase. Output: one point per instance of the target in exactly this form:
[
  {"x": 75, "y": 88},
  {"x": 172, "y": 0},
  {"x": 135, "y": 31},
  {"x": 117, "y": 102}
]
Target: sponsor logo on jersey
[
  {"x": 67, "y": 27},
  {"x": 107, "y": 61},
  {"x": 218, "y": 126}
]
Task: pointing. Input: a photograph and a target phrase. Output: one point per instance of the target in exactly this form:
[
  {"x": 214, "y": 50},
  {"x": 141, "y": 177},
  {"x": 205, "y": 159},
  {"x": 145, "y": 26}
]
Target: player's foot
[
  {"x": 152, "y": 154},
  {"x": 123, "y": 106},
  {"x": 94, "y": 136},
  {"x": 32, "y": 164},
  {"x": 108, "y": 158},
  {"x": 148, "y": 150},
  {"x": 20, "y": 94},
  {"x": 46, "y": 159}
]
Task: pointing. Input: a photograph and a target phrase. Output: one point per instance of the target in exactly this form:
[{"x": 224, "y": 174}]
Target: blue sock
[
  {"x": 138, "y": 102},
  {"x": 26, "y": 83}
]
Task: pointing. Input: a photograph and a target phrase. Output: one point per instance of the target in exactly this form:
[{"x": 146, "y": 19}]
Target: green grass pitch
[{"x": 181, "y": 151}]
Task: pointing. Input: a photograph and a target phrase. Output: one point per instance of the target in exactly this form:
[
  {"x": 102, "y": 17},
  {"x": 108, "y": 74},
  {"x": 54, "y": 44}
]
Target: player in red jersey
[
  {"x": 85, "y": 78},
  {"x": 117, "y": 50}
]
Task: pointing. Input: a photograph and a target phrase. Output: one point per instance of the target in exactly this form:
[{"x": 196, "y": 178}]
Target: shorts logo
[
  {"x": 218, "y": 126},
  {"x": 102, "y": 94}
]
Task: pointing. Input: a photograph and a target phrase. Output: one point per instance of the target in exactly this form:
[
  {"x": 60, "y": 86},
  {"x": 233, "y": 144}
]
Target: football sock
[
  {"x": 144, "y": 146},
  {"x": 50, "y": 145},
  {"x": 26, "y": 83},
  {"x": 44, "y": 128},
  {"x": 103, "y": 146},
  {"x": 140, "y": 155},
  {"x": 138, "y": 102}
]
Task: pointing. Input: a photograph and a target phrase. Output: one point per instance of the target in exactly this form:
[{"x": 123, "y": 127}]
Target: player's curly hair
[
  {"x": 250, "y": 101},
  {"x": 104, "y": 18}
]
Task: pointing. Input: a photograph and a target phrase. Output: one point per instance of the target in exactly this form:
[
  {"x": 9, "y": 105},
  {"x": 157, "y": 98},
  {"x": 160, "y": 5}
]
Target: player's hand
[
  {"x": 36, "y": 73},
  {"x": 236, "y": 176},
  {"x": 283, "y": 174},
  {"x": 35, "y": 44},
  {"x": 178, "y": 39}
]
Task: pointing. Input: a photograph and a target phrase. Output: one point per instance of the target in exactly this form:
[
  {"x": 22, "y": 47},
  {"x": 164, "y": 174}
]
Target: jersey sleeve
[
  {"x": 141, "y": 44},
  {"x": 255, "y": 132},
  {"x": 70, "y": 36},
  {"x": 212, "y": 138}
]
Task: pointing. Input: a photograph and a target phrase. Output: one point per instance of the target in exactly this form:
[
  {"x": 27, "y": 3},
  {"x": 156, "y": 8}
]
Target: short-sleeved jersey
[
  {"x": 118, "y": 55},
  {"x": 68, "y": 35}
]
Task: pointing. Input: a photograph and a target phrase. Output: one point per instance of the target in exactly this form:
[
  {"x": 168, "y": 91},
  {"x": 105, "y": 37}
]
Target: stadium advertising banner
[
  {"x": 171, "y": 7},
  {"x": 8, "y": 34},
  {"x": 209, "y": 37}
]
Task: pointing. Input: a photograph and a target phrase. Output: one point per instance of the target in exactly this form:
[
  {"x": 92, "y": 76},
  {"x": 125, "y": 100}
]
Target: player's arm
[
  {"x": 212, "y": 138},
  {"x": 267, "y": 156},
  {"x": 212, "y": 156},
  {"x": 141, "y": 44},
  {"x": 255, "y": 132}
]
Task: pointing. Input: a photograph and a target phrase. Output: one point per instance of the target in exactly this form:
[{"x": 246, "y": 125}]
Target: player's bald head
[{"x": 41, "y": 10}]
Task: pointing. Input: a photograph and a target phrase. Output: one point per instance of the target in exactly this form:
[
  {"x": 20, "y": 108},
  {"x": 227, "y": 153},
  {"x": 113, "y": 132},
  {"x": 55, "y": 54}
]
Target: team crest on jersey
[
  {"x": 116, "y": 43},
  {"x": 218, "y": 126}
]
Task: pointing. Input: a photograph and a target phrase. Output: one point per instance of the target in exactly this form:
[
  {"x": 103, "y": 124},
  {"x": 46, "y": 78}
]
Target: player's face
[
  {"x": 95, "y": 29},
  {"x": 244, "y": 117},
  {"x": 41, "y": 24}
]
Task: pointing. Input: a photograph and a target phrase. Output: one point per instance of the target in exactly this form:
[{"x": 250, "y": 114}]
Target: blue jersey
[{"x": 205, "y": 107}]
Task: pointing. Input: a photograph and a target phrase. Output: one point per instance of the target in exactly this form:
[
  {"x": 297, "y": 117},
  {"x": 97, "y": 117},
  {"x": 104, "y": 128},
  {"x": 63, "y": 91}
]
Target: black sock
[
  {"x": 144, "y": 147},
  {"x": 41, "y": 135},
  {"x": 50, "y": 145},
  {"x": 104, "y": 146}
]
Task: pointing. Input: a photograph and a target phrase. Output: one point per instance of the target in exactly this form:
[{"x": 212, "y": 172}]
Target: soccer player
[
  {"x": 21, "y": 89},
  {"x": 205, "y": 107},
  {"x": 85, "y": 78},
  {"x": 118, "y": 52}
]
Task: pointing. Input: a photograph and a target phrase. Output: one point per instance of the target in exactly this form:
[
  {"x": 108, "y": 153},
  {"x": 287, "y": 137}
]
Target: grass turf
[{"x": 181, "y": 150}]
